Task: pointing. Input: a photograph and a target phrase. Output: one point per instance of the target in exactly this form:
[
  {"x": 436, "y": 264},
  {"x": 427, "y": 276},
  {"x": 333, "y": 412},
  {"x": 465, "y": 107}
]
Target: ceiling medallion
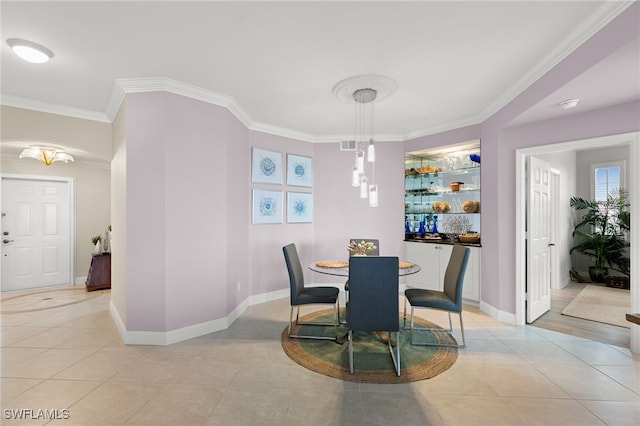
[{"x": 383, "y": 86}]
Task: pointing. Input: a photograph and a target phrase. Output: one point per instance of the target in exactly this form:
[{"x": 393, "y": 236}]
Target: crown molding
[
  {"x": 51, "y": 108},
  {"x": 608, "y": 11},
  {"x": 163, "y": 84}
]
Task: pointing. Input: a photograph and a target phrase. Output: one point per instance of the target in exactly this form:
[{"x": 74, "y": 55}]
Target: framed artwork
[
  {"x": 266, "y": 166},
  {"x": 299, "y": 207},
  {"x": 267, "y": 206},
  {"x": 299, "y": 170}
]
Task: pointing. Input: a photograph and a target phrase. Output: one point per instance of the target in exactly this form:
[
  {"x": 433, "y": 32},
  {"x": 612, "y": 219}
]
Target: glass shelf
[
  {"x": 427, "y": 191},
  {"x": 444, "y": 173}
]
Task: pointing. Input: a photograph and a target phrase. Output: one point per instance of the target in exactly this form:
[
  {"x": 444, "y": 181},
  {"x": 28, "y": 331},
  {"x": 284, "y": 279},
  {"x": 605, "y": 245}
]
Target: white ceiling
[{"x": 456, "y": 63}]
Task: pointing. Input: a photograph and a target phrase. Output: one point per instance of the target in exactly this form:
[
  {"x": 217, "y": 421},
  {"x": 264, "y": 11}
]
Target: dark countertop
[{"x": 447, "y": 241}]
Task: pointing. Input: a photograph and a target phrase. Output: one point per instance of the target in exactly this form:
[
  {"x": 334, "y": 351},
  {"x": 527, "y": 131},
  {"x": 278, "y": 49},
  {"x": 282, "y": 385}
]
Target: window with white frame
[{"x": 606, "y": 180}]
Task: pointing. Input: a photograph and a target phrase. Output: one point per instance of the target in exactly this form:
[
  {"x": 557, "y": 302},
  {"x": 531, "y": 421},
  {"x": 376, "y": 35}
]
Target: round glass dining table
[{"x": 340, "y": 268}]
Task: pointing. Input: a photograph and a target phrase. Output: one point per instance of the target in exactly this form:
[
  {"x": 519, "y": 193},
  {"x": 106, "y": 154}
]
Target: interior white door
[
  {"x": 538, "y": 238},
  {"x": 35, "y": 233}
]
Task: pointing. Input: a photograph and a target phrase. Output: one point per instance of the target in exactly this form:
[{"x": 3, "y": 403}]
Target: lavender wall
[
  {"x": 268, "y": 272},
  {"x": 145, "y": 212},
  {"x": 499, "y": 143},
  {"x": 341, "y": 214},
  {"x": 501, "y": 204},
  {"x": 237, "y": 207},
  {"x": 178, "y": 197},
  {"x": 193, "y": 254}
]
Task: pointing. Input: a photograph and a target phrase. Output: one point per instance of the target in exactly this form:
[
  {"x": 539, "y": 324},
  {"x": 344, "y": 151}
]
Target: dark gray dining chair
[
  {"x": 301, "y": 295},
  {"x": 374, "y": 252},
  {"x": 449, "y": 300},
  {"x": 373, "y": 303}
]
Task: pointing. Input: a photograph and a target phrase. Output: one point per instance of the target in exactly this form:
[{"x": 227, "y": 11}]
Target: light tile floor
[{"x": 72, "y": 358}]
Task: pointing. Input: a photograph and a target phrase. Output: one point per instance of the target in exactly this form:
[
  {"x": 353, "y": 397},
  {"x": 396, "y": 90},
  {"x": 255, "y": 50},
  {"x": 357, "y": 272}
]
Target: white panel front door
[
  {"x": 538, "y": 239},
  {"x": 35, "y": 233}
]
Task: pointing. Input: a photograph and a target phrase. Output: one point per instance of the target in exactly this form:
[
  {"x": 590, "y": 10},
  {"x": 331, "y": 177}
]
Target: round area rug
[
  {"x": 371, "y": 358},
  {"x": 30, "y": 301}
]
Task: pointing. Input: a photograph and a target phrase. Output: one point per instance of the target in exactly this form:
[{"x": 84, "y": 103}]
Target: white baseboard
[
  {"x": 80, "y": 280},
  {"x": 498, "y": 315},
  {"x": 162, "y": 338}
]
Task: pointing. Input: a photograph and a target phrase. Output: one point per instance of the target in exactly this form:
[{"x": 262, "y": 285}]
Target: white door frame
[
  {"x": 520, "y": 200},
  {"x": 553, "y": 227},
  {"x": 72, "y": 213}
]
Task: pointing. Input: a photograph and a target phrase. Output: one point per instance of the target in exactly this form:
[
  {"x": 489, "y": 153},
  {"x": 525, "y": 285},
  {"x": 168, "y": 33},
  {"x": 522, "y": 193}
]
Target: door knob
[
  {"x": 5, "y": 233},
  {"x": 7, "y": 241}
]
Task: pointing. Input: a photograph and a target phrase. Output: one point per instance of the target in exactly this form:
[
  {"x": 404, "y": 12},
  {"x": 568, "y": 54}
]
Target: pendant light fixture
[
  {"x": 364, "y": 91},
  {"x": 364, "y": 105}
]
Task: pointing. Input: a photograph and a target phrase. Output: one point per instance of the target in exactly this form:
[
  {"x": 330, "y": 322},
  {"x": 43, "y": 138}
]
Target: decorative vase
[
  {"x": 421, "y": 230},
  {"x": 98, "y": 248},
  {"x": 106, "y": 244}
]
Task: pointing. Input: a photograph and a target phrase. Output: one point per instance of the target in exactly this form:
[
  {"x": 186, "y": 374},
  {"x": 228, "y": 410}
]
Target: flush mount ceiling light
[
  {"x": 30, "y": 51},
  {"x": 364, "y": 91},
  {"x": 46, "y": 154},
  {"x": 569, "y": 103}
]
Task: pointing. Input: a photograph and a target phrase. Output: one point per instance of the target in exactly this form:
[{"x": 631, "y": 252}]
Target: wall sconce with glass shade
[
  {"x": 30, "y": 51},
  {"x": 46, "y": 155}
]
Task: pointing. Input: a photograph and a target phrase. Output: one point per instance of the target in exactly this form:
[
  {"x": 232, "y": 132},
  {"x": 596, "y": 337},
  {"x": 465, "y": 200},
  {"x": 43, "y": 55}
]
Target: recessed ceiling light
[
  {"x": 30, "y": 51},
  {"x": 569, "y": 103}
]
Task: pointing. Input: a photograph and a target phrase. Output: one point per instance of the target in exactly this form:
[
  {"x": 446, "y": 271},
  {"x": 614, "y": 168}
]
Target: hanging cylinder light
[
  {"x": 355, "y": 176},
  {"x": 364, "y": 188},
  {"x": 373, "y": 196},
  {"x": 371, "y": 151},
  {"x": 360, "y": 161}
]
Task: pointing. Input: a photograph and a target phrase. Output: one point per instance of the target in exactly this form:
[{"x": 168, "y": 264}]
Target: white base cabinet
[{"x": 433, "y": 260}]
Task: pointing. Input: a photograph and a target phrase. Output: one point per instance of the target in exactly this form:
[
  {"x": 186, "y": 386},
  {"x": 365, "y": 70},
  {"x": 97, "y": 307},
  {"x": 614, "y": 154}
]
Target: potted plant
[
  {"x": 97, "y": 244},
  {"x": 601, "y": 233}
]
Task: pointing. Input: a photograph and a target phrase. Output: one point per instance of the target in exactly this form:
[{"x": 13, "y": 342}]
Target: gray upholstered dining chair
[
  {"x": 373, "y": 303},
  {"x": 301, "y": 295},
  {"x": 374, "y": 252},
  {"x": 449, "y": 300}
]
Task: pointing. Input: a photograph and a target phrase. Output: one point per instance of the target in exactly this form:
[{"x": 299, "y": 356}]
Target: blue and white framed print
[
  {"x": 267, "y": 206},
  {"x": 299, "y": 170},
  {"x": 266, "y": 166},
  {"x": 299, "y": 207}
]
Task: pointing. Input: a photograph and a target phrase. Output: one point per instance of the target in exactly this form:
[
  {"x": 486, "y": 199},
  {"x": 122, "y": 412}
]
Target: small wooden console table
[
  {"x": 99, "y": 277},
  {"x": 634, "y": 318}
]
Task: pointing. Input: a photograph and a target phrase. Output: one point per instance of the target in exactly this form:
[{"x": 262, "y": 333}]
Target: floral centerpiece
[{"x": 361, "y": 248}]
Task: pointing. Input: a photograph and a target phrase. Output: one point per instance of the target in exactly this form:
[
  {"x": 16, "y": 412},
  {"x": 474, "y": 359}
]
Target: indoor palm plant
[{"x": 601, "y": 233}]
